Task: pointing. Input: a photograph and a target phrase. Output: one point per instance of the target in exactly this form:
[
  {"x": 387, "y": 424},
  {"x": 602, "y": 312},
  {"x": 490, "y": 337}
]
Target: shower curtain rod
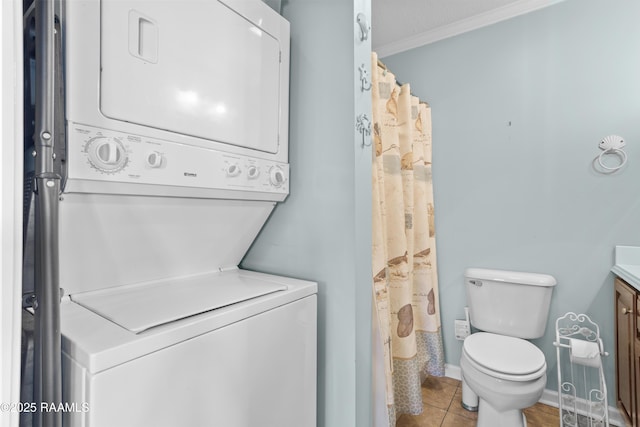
[{"x": 399, "y": 83}]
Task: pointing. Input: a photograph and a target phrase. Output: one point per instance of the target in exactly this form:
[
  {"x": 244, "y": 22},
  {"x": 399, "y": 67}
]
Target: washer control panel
[{"x": 104, "y": 155}]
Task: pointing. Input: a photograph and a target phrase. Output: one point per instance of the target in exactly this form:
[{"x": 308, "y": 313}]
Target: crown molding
[{"x": 503, "y": 13}]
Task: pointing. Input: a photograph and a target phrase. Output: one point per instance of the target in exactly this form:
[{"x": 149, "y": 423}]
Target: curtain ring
[{"x": 616, "y": 151}]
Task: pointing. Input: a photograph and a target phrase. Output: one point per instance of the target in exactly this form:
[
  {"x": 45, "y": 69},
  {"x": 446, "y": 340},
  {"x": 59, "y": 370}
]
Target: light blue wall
[
  {"x": 518, "y": 110},
  {"x": 322, "y": 232}
]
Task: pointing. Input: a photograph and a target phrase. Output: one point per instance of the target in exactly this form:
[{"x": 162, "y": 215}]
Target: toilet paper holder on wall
[{"x": 582, "y": 391}]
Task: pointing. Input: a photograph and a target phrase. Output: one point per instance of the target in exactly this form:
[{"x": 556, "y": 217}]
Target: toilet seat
[{"x": 504, "y": 357}]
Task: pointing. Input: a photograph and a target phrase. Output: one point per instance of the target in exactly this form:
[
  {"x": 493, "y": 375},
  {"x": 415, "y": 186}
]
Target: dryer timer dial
[{"x": 106, "y": 154}]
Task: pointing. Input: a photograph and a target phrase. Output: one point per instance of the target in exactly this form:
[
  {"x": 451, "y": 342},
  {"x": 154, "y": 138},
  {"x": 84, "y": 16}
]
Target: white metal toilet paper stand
[{"x": 582, "y": 391}]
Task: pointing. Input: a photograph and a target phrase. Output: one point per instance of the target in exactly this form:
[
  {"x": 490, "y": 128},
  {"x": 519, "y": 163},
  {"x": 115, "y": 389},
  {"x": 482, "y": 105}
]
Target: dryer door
[{"x": 193, "y": 67}]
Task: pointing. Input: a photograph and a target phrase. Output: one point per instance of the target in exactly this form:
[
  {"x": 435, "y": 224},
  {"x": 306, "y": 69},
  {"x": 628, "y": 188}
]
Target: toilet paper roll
[{"x": 586, "y": 353}]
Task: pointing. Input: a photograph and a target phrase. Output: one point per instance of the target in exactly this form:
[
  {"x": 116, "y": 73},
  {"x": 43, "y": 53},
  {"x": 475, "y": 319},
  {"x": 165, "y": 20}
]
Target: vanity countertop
[{"x": 627, "y": 265}]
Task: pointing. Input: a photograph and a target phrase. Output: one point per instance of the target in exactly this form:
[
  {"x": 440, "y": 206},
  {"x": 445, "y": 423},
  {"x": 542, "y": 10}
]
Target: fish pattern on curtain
[{"x": 404, "y": 252}]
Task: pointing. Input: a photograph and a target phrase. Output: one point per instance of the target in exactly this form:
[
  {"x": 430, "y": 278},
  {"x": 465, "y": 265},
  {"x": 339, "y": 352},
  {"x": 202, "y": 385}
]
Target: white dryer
[{"x": 176, "y": 123}]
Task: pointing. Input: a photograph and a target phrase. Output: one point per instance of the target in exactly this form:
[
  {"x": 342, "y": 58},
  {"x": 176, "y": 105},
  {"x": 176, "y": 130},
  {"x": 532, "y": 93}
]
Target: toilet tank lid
[{"x": 519, "y": 277}]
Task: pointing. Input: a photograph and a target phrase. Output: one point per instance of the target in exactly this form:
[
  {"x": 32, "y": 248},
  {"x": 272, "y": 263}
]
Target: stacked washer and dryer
[{"x": 177, "y": 151}]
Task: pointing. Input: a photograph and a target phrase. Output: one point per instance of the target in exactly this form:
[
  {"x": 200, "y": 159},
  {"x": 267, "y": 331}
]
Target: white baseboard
[
  {"x": 453, "y": 371},
  {"x": 549, "y": 397}
]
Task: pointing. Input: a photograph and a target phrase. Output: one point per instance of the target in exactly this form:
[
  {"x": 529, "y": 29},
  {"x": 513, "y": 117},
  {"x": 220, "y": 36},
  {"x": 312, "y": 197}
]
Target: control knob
[
  {"x": 253, "y": 172},
  {"x": 154, "y": 159},
  {"x": 276, "y": 176},
  {"x": 106, "y": 154},
  {"x": 233, "y": 170}
]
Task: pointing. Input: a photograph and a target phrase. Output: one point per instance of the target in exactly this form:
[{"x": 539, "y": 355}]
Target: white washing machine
[
  {"x": 233, "y": 348},
  {"x": 176, "y": 131}
]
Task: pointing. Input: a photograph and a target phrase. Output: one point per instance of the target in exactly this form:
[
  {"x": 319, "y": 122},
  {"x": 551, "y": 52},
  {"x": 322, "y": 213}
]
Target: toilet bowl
[{"x": 505, "y": 374}]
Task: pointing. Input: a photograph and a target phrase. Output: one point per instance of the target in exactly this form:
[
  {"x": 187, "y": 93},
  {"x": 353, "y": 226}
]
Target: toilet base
[
  {"x": 488, "y": 416},
  {"x": 469, "y": 398}
]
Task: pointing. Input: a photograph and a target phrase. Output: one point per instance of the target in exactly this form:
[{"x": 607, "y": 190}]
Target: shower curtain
[{"x": 404, "y": 253}]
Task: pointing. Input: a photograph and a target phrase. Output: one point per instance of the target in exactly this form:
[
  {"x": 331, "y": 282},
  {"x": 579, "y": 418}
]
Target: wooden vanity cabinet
[{"x": 627, "y": 301}]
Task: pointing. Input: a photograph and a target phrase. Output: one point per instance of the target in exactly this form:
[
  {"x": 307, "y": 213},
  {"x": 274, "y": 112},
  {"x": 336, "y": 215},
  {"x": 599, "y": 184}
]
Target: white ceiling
[{"x": 399, "y": 25}]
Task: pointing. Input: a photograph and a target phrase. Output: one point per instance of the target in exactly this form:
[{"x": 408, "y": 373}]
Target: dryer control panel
[{"x": 116, "y": 160}]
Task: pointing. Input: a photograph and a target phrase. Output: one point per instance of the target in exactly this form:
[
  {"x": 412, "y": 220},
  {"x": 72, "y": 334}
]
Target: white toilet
[{"x": 501, "y": 372}]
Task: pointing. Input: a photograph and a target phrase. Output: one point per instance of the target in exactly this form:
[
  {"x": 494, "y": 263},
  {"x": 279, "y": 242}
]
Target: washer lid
[
  {"x": 504, "y": 354},
  {"x": 142, "y": 306}
]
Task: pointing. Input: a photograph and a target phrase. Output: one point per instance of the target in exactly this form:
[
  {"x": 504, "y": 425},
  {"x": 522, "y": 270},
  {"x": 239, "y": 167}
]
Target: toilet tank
[{"x": 509, "y": 303}]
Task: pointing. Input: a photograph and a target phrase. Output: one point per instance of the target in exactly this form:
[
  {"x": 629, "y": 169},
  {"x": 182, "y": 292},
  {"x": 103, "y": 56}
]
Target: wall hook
[
  {"x": 363, "y": 125},
  {"x": 365, "y": 83},
  {"x": 364, "y": 26}
]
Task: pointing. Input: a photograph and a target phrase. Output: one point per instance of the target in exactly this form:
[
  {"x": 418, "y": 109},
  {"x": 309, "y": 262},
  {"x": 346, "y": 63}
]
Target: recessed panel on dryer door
[{"x": 192, "y": 67}]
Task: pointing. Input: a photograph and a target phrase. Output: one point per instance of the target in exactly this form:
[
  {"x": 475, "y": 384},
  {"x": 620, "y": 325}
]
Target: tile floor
[{"x": 442, "y": 408}]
